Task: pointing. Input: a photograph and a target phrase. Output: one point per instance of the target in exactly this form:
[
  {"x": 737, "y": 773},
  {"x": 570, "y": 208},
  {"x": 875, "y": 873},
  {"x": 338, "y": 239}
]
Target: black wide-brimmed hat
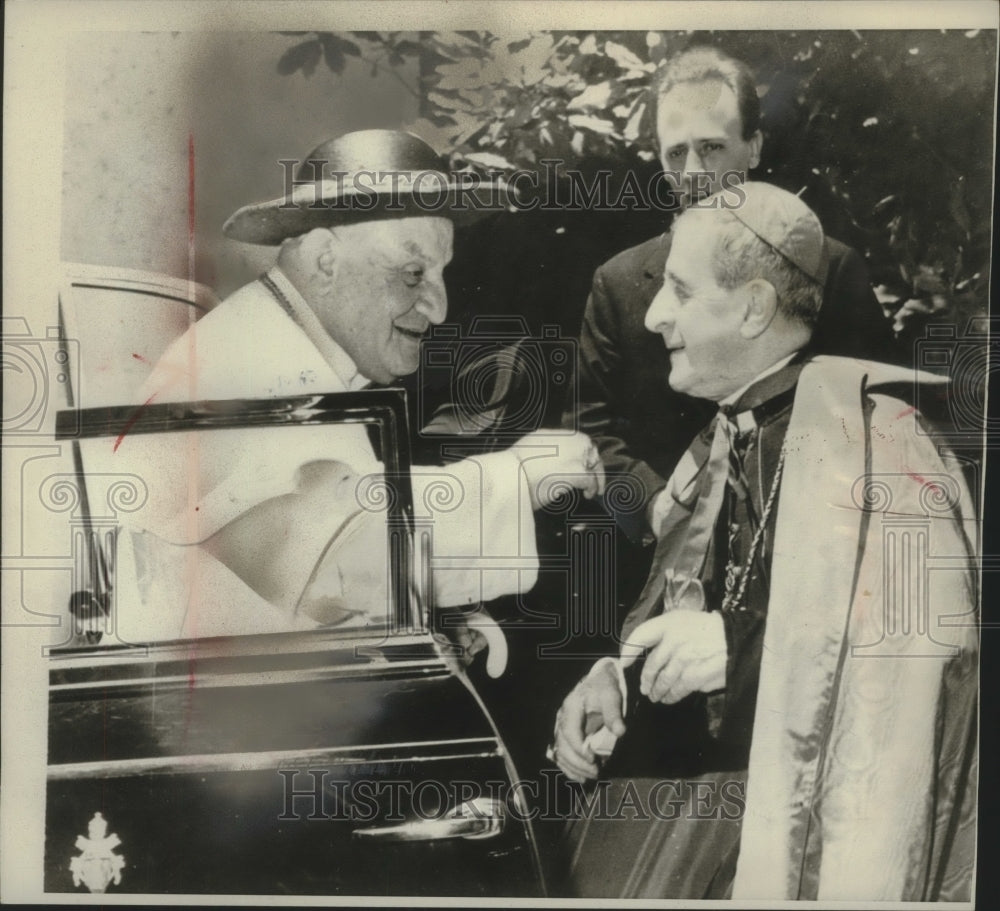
[{"x": 367, "y": 175}]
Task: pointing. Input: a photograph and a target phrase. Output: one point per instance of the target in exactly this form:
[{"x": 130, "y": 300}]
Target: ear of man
[
  {"x": 756, "y": 143},
  {"x": 309, "y": 260},
  {"x": 760, "y": 301}
]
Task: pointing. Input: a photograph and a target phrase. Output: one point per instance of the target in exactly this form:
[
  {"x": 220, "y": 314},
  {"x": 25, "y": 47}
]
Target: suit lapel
[{"x": 652, "y": 268}]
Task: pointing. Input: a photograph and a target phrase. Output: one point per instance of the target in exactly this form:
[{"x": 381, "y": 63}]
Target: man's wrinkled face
[
  {"x": 700, "y": 135},
  {"x": 699, "y": 321},
  {"x": 387, "y": 291}
]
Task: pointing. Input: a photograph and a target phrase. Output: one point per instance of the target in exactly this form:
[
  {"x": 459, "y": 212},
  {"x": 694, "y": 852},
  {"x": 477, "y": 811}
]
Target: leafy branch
[{"x": 887, "y": 133}]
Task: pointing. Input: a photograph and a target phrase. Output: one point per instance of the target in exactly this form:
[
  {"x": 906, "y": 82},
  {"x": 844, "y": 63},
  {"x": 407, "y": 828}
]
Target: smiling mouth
[{"x": 414, "y": 334}]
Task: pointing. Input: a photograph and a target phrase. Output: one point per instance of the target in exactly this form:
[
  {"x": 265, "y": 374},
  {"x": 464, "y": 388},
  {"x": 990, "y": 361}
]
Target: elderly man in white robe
[
  {"x": 801, "y": 724},
  {"x": 265, "y": 521}
]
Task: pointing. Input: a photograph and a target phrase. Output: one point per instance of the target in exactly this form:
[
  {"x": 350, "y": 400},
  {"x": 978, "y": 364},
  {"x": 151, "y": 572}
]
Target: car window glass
[{"x": 247, "y": 530}]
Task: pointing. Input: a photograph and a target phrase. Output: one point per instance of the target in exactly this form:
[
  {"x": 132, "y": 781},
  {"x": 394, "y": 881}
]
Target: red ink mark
[
  {"x": 131, "y": 422},
  {"x": 905, "y": 412},
  {"x": 139, "y": 357},
  {"x": 933, "y": 488}
]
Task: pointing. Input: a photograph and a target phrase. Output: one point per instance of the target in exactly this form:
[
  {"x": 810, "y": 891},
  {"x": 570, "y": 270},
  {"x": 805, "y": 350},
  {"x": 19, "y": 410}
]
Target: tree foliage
[{"x": 887, "y": 134}]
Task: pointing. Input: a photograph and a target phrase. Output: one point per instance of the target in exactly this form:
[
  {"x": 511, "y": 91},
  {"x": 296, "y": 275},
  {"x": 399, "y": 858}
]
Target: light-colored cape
[{"x": 862, "y": 777}]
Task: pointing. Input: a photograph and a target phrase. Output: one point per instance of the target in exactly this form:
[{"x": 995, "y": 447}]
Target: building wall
[{"x": 137, "y": 102}]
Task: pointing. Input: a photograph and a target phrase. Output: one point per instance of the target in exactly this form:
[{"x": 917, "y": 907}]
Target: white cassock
[{"x": 290, "y": 499}]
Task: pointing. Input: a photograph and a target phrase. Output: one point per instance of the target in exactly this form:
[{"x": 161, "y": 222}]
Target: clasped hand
[
  {"x": 575, "y": 462},
  {"x": 688, "y": 653}
]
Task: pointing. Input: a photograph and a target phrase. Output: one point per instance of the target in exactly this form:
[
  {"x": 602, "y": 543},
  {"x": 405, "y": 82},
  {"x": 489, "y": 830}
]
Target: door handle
[{"x": 474, "y": 819}]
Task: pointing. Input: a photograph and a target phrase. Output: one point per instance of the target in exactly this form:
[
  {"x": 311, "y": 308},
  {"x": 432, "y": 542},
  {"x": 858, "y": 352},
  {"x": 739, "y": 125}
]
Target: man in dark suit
[{"x": 707, "y": 117}]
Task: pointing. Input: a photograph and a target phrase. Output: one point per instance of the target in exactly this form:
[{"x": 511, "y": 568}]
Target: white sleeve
[{"x": 483, "y": 529}]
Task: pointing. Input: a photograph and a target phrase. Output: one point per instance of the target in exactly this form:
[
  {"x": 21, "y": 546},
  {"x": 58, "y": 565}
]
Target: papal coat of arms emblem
[{"x": 97, "y": 865}]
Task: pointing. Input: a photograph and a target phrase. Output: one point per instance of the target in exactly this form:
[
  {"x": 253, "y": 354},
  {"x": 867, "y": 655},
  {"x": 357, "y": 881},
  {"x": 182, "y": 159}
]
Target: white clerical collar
[
  {"x": 338, "y": 359},
  {"x": 733, "y": 398}
]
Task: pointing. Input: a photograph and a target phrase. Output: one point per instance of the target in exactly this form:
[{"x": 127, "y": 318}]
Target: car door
[{"x": 335, "y": 749}]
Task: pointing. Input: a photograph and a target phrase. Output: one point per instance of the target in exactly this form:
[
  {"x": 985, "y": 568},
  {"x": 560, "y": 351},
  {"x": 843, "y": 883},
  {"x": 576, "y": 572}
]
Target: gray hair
[{"x": 741, "y": 256}]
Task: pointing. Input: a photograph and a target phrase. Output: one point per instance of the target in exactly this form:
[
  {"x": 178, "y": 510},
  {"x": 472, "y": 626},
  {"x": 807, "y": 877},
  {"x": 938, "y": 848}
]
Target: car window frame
[{"x": 385, "y": 409}]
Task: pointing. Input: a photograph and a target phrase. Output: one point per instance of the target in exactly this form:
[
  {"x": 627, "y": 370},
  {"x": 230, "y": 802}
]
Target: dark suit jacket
[{"x": 625, "y": 403}]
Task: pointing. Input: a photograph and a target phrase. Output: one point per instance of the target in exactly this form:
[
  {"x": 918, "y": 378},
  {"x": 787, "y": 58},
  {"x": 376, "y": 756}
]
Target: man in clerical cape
[
  {"x": 793, "y": 712},
  {"x": 249, "y": 532}
]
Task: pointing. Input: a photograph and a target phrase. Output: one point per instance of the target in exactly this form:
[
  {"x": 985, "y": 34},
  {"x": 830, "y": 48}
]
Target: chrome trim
[
  {"x": 207, "y": 678},
  {"x": 366, "y": 644},
  {"x": 473, "y": 748}
]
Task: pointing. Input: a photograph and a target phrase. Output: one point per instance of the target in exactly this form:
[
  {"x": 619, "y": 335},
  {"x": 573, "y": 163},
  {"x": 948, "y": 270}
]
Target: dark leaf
[
  {"x": 440, "y": 119},
  {"x": 472, "y": 36},
  {"x": 295, "y": 34},
  {"x": 374, "y": 37},
  {"x": 516, "y": 46},
  {"x": 407, "y": 47},
  {"x": 334, "y": 49},
  {"x": 303, "y": 57},
  {"x": 348, "y": 47},
  {"x": 333, "y": 57},
  {"x": 521, "y": 115},
  {"x": 447, "y": 93},
  {"x": 430, "y": 59}
]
